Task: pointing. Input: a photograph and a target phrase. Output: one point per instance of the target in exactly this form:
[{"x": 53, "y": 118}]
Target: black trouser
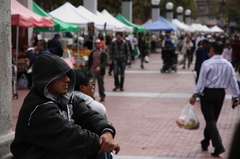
[
  {"x": 211, "y": 105},
  {"x": 100, "y": 81}
]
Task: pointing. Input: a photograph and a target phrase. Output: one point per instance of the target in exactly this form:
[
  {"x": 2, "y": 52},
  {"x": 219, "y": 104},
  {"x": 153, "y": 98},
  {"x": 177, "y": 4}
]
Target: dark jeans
[
  {"x": 211, "y": 105},
  {"x": 142, "y": 58},
  {"x": 100, "y": 81},
  {"x": 110, "y": 68},
  {"x": 119, "y": 64},
  {"x": 54, "y": 155}
]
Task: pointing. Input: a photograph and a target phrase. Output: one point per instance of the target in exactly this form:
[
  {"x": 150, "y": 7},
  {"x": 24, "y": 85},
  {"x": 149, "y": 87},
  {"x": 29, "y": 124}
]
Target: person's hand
[
  {"x": 235, "y": 103},
  {"x": 192, "y": 100},
  {"x": 98, "y": 69},
  {"x": 108, "y": 143}
]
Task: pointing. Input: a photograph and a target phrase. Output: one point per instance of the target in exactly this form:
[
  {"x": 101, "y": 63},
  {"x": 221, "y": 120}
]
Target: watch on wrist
[{"x": 194, "y": 96}]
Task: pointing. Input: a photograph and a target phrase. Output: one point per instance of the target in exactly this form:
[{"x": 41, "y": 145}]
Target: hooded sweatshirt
[{"x": 49, "y": 124}]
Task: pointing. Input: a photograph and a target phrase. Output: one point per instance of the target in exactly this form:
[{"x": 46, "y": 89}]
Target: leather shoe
[
  {"x": 102, "y": 99},
  {"x": 121, "y": 89},
  {"x": 204, "y": 145},
  {"x": 115, "y": 89},
  {"x": 218, "y": 151}
]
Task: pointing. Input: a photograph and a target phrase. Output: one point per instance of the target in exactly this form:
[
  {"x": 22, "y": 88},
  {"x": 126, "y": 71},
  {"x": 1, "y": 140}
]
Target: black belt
[{"x": 214, "y": 88}]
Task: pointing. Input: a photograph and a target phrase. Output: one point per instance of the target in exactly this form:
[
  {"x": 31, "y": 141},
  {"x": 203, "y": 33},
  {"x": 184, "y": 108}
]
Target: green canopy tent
[
  {"x": 137, "y": 28},
  {"x": 59, "y": 26}
]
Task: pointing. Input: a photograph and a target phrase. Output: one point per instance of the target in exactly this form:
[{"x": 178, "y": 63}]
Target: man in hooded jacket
[{"x": 53, "y": 123}]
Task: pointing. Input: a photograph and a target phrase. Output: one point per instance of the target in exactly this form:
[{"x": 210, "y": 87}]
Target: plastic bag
[
  {"x": 188, "y": 118},
  {"x": 136, "y": 51},
  {"x": 23, "y": 82},
  {"x": 146, "y": 59},
  {"x": 180, "y": 59}
]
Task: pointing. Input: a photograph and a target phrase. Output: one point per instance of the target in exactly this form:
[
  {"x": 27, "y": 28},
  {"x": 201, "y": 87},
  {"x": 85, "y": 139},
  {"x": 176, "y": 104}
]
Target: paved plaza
[{"x": 145, "y": 114}]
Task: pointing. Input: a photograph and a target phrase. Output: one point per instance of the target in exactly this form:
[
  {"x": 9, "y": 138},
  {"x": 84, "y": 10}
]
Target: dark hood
[{"x": 47, "y": 68}]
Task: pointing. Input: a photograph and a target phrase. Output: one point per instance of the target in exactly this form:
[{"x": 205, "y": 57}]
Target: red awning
[{"x": 23, "y": 17}]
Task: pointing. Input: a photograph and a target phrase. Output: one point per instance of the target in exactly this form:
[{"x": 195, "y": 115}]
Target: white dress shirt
[{"x": 217, "y": 72}]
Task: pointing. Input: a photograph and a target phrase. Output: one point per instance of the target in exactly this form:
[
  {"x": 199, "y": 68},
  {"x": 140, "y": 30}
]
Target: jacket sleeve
[
  {"x": 55, "y": 133},
  {"x": 90, "y": 119},
  {"x": 104, "y": 60}
]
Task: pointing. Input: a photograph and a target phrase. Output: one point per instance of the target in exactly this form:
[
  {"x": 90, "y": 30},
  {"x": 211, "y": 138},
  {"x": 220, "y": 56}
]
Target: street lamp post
[
  {"x": 179, "y": 13},
  {"x": 127, "y": 9},
  {"x": 222, "y": 3},
  {"x": 188, "y": 16},
  {"x": 169, "y": 6},
  {"x": 155, "y": 13},
  {"x": 155, "y": 9}
]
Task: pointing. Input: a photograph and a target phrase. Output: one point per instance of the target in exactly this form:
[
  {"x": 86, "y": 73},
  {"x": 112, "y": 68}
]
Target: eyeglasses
[
  {"x": 91, "y": 83},
  {"x": 97, "y": 43}
]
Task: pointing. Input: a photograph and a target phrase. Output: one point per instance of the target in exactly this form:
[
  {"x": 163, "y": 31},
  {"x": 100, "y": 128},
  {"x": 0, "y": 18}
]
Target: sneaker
[{"x": 115, "y": 89}]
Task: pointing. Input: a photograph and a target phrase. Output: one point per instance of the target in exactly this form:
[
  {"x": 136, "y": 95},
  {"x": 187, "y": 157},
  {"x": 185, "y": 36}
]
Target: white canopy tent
[
  {"x": 97, "y": 19},
  {"x": 197, "y": 27},
  {"x": 216, "y": 29},
  {"x": 149, "y": 21},
  {"x": 68, "y": 13},
  {"x": 119, "y": 26},
  {"x": 206, "y": 29},
  {"x": 182, "y": 26}
]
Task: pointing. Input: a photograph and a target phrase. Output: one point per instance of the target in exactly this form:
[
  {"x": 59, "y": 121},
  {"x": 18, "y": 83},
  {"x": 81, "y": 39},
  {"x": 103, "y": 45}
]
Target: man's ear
[{"x": 82, "y": 88}]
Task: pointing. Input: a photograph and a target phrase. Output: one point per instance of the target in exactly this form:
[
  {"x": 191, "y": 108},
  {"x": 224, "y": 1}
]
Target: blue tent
[{"x": 161, "y": 25}]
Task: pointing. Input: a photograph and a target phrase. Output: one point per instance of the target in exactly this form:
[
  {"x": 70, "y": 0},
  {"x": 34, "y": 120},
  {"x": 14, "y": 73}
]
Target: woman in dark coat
[{"x": 143, "y": 50}]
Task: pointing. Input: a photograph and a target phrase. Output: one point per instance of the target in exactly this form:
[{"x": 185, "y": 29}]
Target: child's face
[{"x": 59, "y": 86}]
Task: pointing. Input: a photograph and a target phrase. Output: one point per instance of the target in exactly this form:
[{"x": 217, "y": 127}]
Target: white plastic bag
[
  {"x": 22, "y": 82},
  {"x": 188, "y": 118},
  {"x": 180, "y": 59},
  {"x": 146, "y": 59}
]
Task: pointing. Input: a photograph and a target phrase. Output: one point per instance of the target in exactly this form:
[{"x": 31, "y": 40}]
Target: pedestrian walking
[
  {"x": 216, "y": 75},
  {"x": 142, "y": 45},
  {"x": 119, "y": 56},
  {"x": 186, "y": 51},
  {"x": 54, "y": 45},
  {"x": 202, "y": 54},
  {"x": 131, "y": 51},
  {"x": 227, "y": 52},
  {"x": 53, "y": 123},
  {"x": 97, "y": 61}
]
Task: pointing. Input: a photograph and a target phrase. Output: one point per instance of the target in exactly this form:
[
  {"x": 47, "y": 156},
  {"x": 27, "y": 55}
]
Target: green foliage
[{"x": 229, "y": 10}]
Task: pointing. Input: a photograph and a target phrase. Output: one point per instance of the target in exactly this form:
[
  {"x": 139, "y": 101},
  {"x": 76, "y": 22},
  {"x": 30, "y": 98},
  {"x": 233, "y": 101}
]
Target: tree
[{"x": 227, "y": 11}]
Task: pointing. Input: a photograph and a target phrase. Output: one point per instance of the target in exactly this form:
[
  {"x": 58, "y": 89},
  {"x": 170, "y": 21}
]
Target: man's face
[
  {"x": 119, "y": 37},
  {"x": 39, "y": 46},
  {"x": 59, "y": 86},
  {"x": 97, "y": 44},
  {"x": 88, "y": 89}
]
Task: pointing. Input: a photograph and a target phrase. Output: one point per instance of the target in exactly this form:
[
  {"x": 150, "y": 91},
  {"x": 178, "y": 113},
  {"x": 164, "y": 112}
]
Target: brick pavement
[{"x": 145, "y": 114}]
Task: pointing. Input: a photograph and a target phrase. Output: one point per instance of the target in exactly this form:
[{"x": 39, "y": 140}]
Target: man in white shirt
[{"x": 216, "y": 75}]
